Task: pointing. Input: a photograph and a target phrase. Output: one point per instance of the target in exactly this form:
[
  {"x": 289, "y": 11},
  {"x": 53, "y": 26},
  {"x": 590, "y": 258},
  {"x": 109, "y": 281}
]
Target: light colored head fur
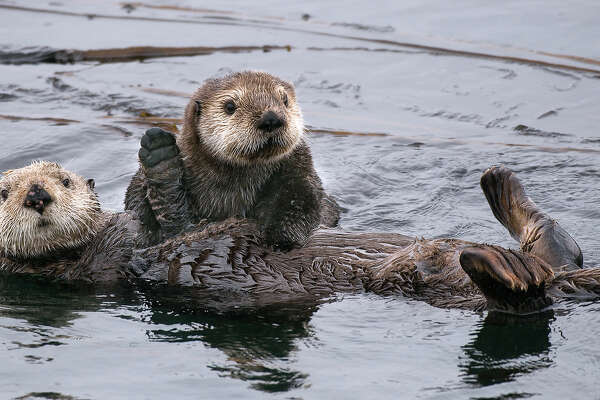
[
  {"x": 69, "y": 220},
  {"x": 234, "y": 137}
]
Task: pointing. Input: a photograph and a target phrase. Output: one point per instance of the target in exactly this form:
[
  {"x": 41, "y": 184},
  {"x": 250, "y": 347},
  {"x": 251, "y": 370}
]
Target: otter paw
[{"x": 157, "y": 145}]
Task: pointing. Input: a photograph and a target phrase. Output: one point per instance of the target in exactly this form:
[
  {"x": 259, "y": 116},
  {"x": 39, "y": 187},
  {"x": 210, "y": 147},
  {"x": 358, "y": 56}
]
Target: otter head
[
  {"x": 44, "y": 208},
  {"x": 244, "y": 118}
]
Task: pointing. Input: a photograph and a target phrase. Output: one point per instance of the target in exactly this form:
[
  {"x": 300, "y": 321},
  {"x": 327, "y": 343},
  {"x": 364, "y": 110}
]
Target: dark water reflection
[
  {"x": 43, "y": 304},
  {"x": 250, "y": 342},
  {"x": 500, "y": 349},
  {"x": 506, "y": 346},
  {"x": 252, "y": 339}
]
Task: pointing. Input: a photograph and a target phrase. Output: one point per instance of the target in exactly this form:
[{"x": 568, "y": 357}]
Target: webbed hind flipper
[
  {"x": 536, "y": 231},
  {"x": 512, "y": 281}
]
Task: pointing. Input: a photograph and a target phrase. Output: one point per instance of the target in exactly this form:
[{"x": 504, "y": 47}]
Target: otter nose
[
  {"x": 37, "y": 198},
  {"x": 269, "y": 122}
]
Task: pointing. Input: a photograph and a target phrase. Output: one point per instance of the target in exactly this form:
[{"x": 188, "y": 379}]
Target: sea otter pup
[
  {"x": 230, "y": 257},
  {"x": 51, "y": 224},
  {"x": 242, "y": 154}
]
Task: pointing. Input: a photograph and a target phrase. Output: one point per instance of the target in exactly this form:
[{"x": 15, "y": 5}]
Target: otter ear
[
  {"x": 289, "y": 88},
  {"x": 198, "y": 107},
  {"x": 91, "y": 183}
]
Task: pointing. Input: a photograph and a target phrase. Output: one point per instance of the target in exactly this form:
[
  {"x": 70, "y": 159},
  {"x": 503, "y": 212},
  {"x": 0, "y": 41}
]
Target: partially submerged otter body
[
  {"x": 445, "y": 272},
  {"x": 232, "y": 257},
  {"x": 242, "y": 155},
  {"x": 51, "y": 224},
  {"x": 104, "y": 258},
  {"x": 229, "y": 257}
]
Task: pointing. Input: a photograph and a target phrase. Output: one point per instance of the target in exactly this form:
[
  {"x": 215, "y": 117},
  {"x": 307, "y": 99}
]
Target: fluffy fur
[
  {"x": 235, "y": 139},
  {"x": 71, "y": 219},
  {"x": 230, "y": 167},
  {"x": 230, "y": 257},
  {"x": 227, "y": 158}
]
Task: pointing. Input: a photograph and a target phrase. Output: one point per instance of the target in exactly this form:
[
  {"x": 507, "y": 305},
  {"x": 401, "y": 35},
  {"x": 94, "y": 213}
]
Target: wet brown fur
[
  {"x": 72, "y": 238},
  {"x": 445, "y": 272},
  {"x": 536, "y": 232},
  {"x": 232, "y": 169},
  {"x": 231, "y": 257}
]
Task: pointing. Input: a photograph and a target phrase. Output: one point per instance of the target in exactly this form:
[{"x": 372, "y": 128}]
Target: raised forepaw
[
  {"x": 157, "y": 145},
  {"x": 512, "y": 281}
]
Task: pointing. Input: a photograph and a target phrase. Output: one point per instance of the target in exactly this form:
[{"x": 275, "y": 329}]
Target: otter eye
[
  {"x": 66, "y": 182},
  {"x": 285, "y": 99},
  {"x": 230, "y": 107},
  {"x": 4, "y": 194}
]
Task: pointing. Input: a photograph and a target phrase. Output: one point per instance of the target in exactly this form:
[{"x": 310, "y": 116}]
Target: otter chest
[
  {"x": 218, "y": 198},
  {"x": 228, "y": 202}
]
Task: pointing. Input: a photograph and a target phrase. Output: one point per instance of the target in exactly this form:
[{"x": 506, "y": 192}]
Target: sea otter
[
  {"x": 241, "y": 154},
  {"x": 51, "y": 224},
  {"x": 230, "y": 257}
]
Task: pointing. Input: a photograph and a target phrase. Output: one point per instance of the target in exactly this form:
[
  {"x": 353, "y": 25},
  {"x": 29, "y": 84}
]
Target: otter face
[
  {"x": 248, "y": 118},
  {"x": 43, "y": 208}
]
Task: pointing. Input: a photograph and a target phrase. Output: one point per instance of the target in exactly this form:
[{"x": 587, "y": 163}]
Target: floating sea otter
[{"x": 51, "y": 224}]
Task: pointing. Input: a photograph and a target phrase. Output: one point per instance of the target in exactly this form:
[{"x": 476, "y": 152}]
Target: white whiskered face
[
  {"x": 44, "y": 208},
  {"x": 249, "y": 118}
]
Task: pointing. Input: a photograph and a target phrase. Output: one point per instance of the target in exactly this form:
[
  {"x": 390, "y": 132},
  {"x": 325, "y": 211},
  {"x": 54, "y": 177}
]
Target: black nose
[
  {"x": 269, "y": 122},
  {"x": 37, "y": 198}
]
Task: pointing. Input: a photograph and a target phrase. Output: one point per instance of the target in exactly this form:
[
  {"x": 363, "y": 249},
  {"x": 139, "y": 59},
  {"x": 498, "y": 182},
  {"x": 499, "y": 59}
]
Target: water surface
[{"x": 407, "y": 104}]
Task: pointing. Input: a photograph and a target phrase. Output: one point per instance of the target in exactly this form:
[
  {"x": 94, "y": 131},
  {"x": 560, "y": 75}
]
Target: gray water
[{"x": 403, "y": 120}]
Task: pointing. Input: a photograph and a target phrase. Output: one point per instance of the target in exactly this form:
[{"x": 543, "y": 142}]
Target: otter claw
[{"x": 157, "y": 145}]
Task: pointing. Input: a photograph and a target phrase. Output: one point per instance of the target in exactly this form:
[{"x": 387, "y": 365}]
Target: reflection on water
[
  {"x": 506, "y": 346},
  {"x": 251, "y": 341},
  {"x": 251, "y": 338},
  {"x": 41, "y": 303}
]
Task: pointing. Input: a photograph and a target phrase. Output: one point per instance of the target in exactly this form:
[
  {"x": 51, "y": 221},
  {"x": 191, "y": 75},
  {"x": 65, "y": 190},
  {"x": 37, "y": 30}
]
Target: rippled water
[{"x": 407, "y": 104}]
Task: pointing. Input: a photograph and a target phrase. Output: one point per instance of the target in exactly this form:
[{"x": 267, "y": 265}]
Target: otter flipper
[
  {"x": 535, "y": 230},
  {"x": 511, "y": 281}
]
